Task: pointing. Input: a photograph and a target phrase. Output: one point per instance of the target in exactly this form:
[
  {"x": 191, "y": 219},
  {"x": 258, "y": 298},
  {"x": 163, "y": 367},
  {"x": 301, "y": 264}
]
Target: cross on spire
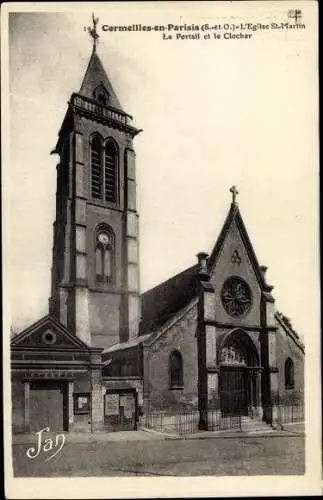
[
  {"x": 234, "y": 192},
  {"x": 93, "y": 32}
]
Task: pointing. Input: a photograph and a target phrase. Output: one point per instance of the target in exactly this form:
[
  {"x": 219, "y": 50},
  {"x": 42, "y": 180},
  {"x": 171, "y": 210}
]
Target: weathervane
[
  {"x": 93, "y": 32},
  {"x": 234, "y": 192}
]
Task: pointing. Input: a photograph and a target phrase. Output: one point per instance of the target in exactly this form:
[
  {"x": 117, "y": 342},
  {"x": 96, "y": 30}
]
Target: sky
[{"x": 213, "y": 112}]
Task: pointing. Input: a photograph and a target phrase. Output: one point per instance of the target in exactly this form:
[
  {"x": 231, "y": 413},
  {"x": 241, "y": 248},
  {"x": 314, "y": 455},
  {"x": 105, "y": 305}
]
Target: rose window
[{"x": 236, "y": 297}]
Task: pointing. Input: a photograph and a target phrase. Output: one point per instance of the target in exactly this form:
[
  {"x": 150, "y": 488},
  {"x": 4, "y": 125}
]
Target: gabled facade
[
  {"x": 208, "y": 338},
  {"x": 54, "y": 379},
  {"x": 216, "y": 323}
]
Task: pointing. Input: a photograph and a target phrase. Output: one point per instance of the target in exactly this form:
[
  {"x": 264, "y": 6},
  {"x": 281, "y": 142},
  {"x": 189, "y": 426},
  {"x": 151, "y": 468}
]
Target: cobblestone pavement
[{"x": 280, "y": 454}]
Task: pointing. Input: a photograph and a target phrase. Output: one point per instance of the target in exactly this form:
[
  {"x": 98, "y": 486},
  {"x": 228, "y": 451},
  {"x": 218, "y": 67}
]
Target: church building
[{"x": 106, "y": 355}]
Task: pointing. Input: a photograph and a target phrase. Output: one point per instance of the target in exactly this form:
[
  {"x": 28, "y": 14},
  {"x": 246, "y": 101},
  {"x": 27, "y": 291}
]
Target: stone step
[
  {"x": 252, "y": 425},
  {"x": 255, "y": 428}
]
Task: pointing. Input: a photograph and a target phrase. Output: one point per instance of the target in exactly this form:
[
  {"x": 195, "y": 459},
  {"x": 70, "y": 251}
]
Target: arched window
[
  {"x": 175, "y": 370},
  {"x": 104, "y": 170},
  {"x": 101, "y": 95},
  {"x": 110, "y": 171},
  {"x": 96, "y": 167},
  {"x": 104, "y": 256},
  {"x": 289, "y": 374}
]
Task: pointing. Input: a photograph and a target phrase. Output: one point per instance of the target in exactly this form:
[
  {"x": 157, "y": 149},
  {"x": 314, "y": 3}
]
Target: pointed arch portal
[{"x": 239, "y": 381}]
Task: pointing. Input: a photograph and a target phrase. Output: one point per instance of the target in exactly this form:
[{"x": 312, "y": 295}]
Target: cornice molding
[{"x": 231, "y": 326}]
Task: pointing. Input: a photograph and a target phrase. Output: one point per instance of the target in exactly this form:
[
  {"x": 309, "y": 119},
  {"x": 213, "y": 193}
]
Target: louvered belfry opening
[
  {"x": 104, "y": 170},
  {"x": 96, "y": 168},
  {"x": 110, "y": 170}
]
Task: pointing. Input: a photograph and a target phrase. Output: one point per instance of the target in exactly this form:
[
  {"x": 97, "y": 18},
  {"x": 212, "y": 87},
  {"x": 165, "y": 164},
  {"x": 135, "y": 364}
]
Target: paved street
[{"x": 145, "y": 454}]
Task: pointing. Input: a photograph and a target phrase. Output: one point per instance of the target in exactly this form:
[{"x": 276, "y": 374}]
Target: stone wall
[
  {"x": 287, "y": 348},
  {"x": 18, "y": 404},
  {"x": 181, "y": 337}
]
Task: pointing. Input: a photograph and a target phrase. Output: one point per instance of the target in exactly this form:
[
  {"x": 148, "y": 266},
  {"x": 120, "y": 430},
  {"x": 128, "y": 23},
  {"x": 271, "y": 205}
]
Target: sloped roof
[
  {"x": 285, "y": 322},
  {"x": 160, "y": 303},
  {"x": 126, "y": 345},
  {"x": 155, "y": 335},
  {"x": 95, "y": 75},
  {"x": 235, "y": 215},
  {"x": 30, "y": 336}
]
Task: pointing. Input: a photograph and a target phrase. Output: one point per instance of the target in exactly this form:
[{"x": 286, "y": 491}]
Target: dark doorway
[
  {"x": 48, "y": 406},
  {"x": 233, "y": 391}
]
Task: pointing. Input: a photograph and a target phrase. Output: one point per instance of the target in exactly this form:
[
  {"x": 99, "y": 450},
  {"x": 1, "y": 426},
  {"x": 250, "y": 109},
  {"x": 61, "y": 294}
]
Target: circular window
[
  {"x": 236, "y": 296},
  {"x": 49, "y": 337}
]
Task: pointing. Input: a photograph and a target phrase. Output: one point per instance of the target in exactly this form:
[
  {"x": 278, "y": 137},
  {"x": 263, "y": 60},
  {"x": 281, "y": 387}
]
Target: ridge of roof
[
  {"x": 54, "y": 322},
  {"x": 95, "y": 75},
  {"x": 286, "y": 324},
  {"x": 234, "y": 214},
  {"x": 126, "y": 345},
  {"x": 164, "y": 300},
  {"x": 153, "y": 336},
  {"x": 161, "y": 302}
]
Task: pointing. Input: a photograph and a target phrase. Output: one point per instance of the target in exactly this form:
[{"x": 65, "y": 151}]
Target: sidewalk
[
  {"x": 89, "y": 437},
  {"x": 288, "y": 431},
  {"x": 143, "y": 434}
]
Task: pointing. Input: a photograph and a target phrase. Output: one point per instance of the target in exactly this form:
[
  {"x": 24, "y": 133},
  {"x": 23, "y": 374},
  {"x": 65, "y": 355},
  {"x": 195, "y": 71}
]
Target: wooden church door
[{"x": 233, "y": 391}]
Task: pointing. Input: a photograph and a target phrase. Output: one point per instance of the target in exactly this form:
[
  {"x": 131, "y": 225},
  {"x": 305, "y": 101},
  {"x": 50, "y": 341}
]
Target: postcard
[{"x": 161, "y": 249}]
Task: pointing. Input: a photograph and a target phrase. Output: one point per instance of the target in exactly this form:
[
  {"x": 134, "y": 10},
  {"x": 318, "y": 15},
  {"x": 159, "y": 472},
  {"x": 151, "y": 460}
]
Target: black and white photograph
[{"x": 161, "y": 249}]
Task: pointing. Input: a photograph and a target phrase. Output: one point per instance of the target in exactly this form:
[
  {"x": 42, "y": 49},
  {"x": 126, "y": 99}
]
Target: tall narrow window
[
  {"x": 175, "y": 370},
  {"x": 104, "y": 253},
  {"x": 289, "y": 374},
  {"x": 96, "y": 168},
  {"x": 111, "y": 171}
]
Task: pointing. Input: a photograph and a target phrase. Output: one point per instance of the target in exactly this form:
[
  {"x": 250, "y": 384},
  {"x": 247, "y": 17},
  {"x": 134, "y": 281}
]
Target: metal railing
[
  {"x": 188, "y": 420},
  {"x": 290, "y": 414},
  {"x": 100, "y": 109}
]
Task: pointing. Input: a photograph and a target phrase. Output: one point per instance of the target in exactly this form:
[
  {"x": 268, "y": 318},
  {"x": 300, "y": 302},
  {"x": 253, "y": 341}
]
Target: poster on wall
[
  {"x": 111, "y": 404},
  {"x": 127, "y": 401}
]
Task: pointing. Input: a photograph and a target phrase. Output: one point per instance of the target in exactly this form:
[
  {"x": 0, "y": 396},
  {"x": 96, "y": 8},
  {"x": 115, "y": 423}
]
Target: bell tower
[{"x": 95, "y": 269}]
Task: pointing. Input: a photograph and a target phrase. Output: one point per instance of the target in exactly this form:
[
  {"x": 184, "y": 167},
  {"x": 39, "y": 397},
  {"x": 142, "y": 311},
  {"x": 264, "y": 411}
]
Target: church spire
[{"x": 96, "y": 82}]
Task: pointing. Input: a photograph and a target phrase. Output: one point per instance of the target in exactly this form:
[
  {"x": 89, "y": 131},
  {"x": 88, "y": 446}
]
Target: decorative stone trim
[
  {"x": 27, "y": 406},
  {"x": 70, "y": 402},
  {"x": 250, "y": 328},
  {"x": 212, "y": 369},
  {"x": 49, "y": 337}
]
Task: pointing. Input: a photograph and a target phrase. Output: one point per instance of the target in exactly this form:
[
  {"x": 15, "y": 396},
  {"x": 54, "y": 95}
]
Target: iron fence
[
  {"x": 290, "y": 414},
  {"x": 188, "y": 420}
]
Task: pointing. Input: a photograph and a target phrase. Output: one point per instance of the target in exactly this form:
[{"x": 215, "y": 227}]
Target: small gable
[
  {"x": 101, "y": 95},
  {"x": 234, "y": 252},
  {"x": 238, "y": 279},
  {"x": 47, "y": 333},
  {"x": 96, "y": 83}
]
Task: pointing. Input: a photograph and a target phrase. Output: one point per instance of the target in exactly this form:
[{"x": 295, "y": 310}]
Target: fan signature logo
[{"x": 46, "y": 445}]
